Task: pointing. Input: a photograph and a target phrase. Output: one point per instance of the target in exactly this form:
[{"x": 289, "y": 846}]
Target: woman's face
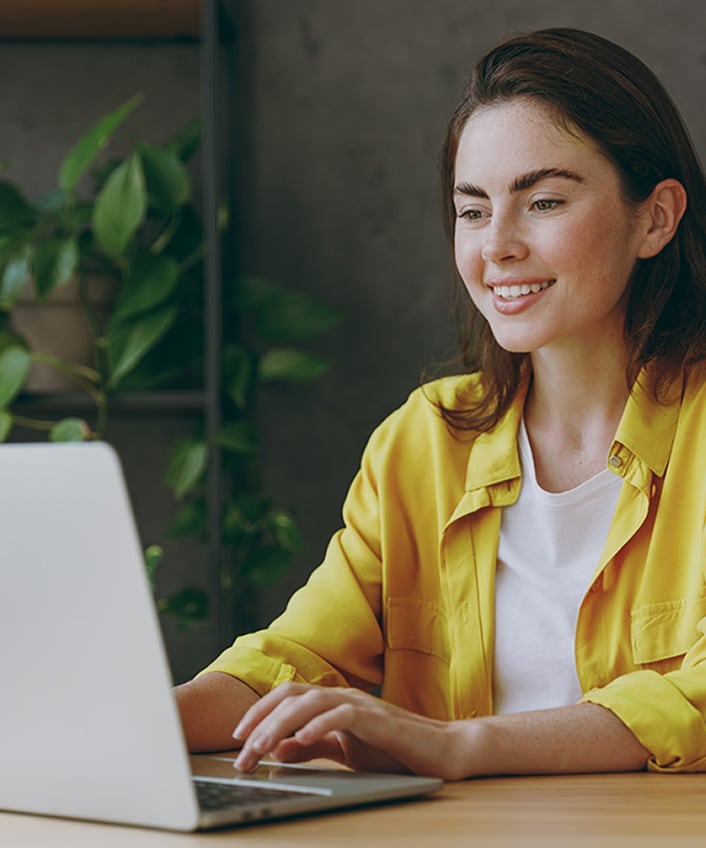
[{"x": 544, "y": 240}]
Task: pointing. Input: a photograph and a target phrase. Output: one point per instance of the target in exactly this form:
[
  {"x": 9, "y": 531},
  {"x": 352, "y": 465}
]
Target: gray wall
[
  {"x": 348, "y": 104},
  {"x": 343, "y": 107}
]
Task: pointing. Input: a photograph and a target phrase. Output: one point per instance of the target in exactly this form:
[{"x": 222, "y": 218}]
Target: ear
[{"x": 662, "y": 211}]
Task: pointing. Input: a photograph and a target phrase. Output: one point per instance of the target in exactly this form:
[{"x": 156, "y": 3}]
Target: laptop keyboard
[{"x": 220, "y": 796}]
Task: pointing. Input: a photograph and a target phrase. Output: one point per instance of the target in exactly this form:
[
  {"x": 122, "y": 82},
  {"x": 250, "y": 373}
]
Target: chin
[{"x": 515, "y": 345}]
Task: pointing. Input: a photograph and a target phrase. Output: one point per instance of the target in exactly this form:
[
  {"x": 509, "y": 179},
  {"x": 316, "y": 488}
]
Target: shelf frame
[{"x": 105, "y": 19}]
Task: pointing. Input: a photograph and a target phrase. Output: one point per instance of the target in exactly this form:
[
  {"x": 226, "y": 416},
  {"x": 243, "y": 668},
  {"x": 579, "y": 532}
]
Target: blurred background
[{"x": 325, "y": 120}]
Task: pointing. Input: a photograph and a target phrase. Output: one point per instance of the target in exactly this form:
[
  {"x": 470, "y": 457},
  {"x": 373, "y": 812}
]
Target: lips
[{"x": 512, "y": 291}]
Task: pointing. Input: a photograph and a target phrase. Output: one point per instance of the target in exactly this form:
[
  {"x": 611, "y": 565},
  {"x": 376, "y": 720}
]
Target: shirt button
[{"x": 615, "y": 461}]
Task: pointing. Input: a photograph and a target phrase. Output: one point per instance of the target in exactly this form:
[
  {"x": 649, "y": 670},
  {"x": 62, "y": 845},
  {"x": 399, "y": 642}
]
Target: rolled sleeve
[{"x": 667, "y": 714}]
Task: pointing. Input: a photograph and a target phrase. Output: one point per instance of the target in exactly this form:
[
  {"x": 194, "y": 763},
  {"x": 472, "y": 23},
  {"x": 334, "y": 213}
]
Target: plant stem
[
  {"x": 32, "y": 423},
  {"x": 166, "y": 235},
  {"x": 82, "y": 375},
  {"x": 102, "y": 373},
  {"x": 192, "y": 259}
]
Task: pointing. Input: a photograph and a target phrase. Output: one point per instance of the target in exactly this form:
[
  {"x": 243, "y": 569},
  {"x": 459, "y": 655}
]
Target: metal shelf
[
  {"x": 213, "y": 22},
  {"x": 157, "y": 402},
  {"x": 106, "y": 19}
]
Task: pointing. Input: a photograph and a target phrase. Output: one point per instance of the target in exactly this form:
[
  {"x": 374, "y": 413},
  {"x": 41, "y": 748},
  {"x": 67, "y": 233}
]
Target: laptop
[{"x": 88, "y": 722}]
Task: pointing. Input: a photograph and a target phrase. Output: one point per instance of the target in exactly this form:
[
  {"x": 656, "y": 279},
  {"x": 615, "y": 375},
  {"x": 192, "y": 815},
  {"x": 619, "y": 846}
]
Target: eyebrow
[{"x": 523, "y": 182}]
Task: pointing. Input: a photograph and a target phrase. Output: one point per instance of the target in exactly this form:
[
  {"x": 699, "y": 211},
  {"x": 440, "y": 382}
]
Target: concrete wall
[
  {"x": 343, "y": 107},
  {"x": 347, "y": 106}
]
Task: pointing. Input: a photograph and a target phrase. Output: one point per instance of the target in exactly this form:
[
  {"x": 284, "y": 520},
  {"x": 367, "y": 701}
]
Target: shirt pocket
[
  {"x": 417, "y": 657},
  {"x": 661, "y": 634},
  {"x": 418, "y": 626}
]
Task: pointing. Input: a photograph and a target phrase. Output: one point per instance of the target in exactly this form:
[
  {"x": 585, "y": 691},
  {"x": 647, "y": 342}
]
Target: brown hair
[{"x": 613, "y": 98}]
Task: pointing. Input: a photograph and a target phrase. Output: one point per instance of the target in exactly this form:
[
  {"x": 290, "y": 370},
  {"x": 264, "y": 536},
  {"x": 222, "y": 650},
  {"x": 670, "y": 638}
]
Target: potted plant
[{"x": 135, "y": 232}]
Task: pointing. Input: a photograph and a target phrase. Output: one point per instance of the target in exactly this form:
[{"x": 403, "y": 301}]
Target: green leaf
[
  {"x": 245, "y": 516},
  {"x": 186, "y": 605},
  {"x": 187, "y": 465},
  {"x": 238, "y": 437},
  {"x": 14, "y": 209},
  {"x": 70, "y": 430},
  {"x": 79, "y": 158},
  {"x": 6, "y": 422},
  {"x": 191, "y": 519},
  {"x": 8, "y": 338},
  {"x": 249, "y": 292},
  {"x": 167, "y": 182},
  {"x": 176, "y": 360},
  {"x": 187, "y": 237},
  {"x": 120, "y": 207},
  {"x": 238, "y": 371},
  {"x": 52, "y": 201},
  {"x": 291, "y": 365},
  {"x": 150, "y": 280},
  {"x": 55, "y": 263},
  {"x": 286, "y": 532},
  {"x": 14, "y": 277},
  {"x": 187, "y": 141},
  {"x": 14, "y": 366},
  {"x": 129, "y": 341},
  {"x": 286, "y": 317},
  {"x": 76, "y": 217},
  {"x": 153, "y": 557},
  {"x": 267, "y": 565},
  {"x": 103, "y": 170}
]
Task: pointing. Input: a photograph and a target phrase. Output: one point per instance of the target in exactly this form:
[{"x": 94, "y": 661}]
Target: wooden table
[{"x": 577, "y": 811}]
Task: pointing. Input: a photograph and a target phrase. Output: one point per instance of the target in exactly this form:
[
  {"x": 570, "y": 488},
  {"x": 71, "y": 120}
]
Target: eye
[
  {"x": 546, "y": 204},
  {"x": 472, "y": 214}
]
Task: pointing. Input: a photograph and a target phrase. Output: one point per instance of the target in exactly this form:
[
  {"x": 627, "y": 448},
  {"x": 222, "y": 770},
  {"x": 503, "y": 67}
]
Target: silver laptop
[{"x": 88, "y": 723}]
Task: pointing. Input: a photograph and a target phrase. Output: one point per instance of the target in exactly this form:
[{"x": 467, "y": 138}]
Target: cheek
[
  {"x": 468, "y": 262},
  {"x": 471, "y": 273}
]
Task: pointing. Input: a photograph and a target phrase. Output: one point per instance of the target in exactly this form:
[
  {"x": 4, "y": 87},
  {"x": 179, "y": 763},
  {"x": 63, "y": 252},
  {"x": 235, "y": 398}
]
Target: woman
[{"x": 522, "y": 569}]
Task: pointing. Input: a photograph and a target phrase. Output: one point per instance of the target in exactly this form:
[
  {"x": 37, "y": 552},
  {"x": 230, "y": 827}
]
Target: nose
[{"x": 503, "y": 240}]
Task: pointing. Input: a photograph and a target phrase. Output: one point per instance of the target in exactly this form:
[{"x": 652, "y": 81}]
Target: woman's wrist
[{"x": 467, "y": 749}]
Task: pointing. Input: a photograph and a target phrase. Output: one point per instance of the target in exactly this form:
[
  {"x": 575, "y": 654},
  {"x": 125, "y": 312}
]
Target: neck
[
  {"x": 575, "y": 391},
  {"x": 573, "y": 409}
]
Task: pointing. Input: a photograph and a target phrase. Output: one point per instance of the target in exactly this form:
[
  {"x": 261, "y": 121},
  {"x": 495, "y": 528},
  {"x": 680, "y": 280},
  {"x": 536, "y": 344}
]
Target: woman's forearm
[
  {"x": 210, "y": 706},
  {"x": 575, "y": 739}
]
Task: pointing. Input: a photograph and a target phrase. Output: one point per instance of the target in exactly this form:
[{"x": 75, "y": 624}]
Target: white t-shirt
[{"x": 550, "y": 544}]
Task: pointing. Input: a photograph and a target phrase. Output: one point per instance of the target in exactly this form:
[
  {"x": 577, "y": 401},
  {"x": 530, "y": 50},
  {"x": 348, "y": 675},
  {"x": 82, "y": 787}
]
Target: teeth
[{"x": 511, "y": 292}]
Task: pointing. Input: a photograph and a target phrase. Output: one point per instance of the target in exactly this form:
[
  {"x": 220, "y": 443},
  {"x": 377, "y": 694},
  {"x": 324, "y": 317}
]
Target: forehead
[{"x": 522, "y": 134}]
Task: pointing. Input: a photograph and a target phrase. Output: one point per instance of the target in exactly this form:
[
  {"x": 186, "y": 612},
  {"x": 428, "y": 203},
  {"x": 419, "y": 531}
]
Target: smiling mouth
[{"x": 521, "y": 289}]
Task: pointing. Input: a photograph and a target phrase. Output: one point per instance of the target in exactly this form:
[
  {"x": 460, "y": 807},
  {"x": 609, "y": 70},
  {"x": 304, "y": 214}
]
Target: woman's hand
[{"x": 297, "y": 722}]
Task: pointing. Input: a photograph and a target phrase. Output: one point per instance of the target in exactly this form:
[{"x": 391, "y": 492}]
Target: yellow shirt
[{"x": 404, "y": 599}]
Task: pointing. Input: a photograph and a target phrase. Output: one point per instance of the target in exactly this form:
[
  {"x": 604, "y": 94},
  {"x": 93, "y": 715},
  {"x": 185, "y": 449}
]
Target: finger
[
  {"x": 386, "y": 733},
  {"x": 292, "y": 709},
  {"x": 304, "y": 721},
  {"x": 341, "y": 747},
  {"x": 264, "y": 706},
  {"x": 292, "y": 751},
  {"x": 340, "y": 716}
]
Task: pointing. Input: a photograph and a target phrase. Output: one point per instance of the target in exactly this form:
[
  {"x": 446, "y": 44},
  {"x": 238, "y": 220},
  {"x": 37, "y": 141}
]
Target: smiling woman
[
  {"x": 544, "y": 237},
  {"x": 522, "y": 567}
]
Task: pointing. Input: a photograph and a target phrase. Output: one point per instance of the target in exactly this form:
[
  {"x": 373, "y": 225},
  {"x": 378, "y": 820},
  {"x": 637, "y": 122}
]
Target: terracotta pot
[{"x": 58, "y": 327}]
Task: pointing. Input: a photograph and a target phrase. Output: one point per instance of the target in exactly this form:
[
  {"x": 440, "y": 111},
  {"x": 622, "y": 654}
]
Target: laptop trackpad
[{"x": 221, "y": 767}]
